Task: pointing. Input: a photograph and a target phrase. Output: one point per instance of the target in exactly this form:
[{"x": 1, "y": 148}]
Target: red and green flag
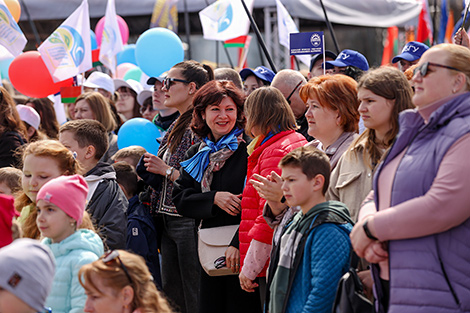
[
  {"x": 390, "y": 46},
  {"x": 424, "y": 34},
  {"x": 70, "y": 94}
]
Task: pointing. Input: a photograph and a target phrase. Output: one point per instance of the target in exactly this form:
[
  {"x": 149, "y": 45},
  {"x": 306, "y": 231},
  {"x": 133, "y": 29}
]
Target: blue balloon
[
  {"x": 94, "y": 44},
  {"x": 4, "y": 66},
  {"x": 157, "y": 50},
  {"x": 139, "y": 132},
  {"x": 127, "y": 55}
]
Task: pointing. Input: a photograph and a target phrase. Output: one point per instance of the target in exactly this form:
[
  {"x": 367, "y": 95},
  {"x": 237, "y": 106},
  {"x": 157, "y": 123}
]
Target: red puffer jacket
[{"x": 262, "y": 161}]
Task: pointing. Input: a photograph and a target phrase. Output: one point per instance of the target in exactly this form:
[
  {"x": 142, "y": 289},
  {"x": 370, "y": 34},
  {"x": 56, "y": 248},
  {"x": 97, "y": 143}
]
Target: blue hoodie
[{"x": 82, "y": 247}]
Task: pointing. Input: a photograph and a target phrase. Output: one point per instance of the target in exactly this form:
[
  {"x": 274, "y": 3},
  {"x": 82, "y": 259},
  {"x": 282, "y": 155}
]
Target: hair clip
[{"x": 74, "y": 154}]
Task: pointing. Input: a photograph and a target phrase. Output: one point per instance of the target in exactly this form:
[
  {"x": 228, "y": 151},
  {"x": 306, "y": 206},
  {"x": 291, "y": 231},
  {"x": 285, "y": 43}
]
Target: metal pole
[
  {"x": 228, "y": 57},
  {"x": 330, "y": 28},
  {"x": 31, "y": 23},
  {"x": 186, "y": 28},
  {"x": 260, "y": 39},
  {"x": 216, "y": 53}
]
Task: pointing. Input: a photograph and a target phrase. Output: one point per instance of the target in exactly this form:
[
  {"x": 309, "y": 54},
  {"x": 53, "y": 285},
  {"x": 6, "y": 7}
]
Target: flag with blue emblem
[
  {"x": 111, "y": 42},
  {"x": 225, "y": 19},
  {"x": 67, "y": 52},
  {"x": 12, "y": 38}
]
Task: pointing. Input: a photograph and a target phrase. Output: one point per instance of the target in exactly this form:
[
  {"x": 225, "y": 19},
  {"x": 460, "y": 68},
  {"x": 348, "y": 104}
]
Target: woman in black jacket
[{"x": 210, "y": 186}]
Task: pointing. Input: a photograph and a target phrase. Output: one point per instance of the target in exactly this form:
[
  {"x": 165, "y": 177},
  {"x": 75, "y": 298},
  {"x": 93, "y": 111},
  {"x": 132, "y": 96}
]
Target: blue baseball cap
[
  {"x": 319, "y": 56},
  {"x": 411, "y": 51},
  {"x": 261, "y": 72},
  {"x": 349, "y": 58}
]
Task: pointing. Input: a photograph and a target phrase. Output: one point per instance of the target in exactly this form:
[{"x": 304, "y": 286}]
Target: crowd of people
[{"x": 289, "y": 176}]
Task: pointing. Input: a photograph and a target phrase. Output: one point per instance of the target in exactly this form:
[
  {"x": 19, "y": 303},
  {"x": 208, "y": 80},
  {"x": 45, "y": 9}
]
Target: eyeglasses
[
  {"x": 423, "y": 68},
  {"x": 113, "y": 255},
  {"x": 168, "y": 82},
  {"x": 146, "y": 108},
  {"x": 290, "y": 95}
]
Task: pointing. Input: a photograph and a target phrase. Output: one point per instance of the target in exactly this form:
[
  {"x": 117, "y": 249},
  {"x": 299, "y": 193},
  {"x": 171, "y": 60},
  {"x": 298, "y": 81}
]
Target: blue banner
[{"x": 306, "y": 43}]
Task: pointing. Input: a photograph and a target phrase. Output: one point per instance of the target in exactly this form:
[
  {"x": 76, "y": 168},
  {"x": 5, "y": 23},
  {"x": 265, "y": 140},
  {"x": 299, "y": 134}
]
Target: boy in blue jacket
[
  {"x": 314, "y": 250},
  {"x": 141, "y": 232}
]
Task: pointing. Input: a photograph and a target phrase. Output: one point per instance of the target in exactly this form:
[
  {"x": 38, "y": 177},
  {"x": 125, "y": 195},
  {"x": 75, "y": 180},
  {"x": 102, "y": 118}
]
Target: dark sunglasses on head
[
  {"x": 168, "y": 82},
  {"x": 113, "y": 255},
  {"x": 292, "y": 92},
  {"x": 423, "y": 68}
]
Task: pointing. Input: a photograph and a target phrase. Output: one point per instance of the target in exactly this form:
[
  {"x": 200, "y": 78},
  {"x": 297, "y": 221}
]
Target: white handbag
[{"x": 212, "y": 244}]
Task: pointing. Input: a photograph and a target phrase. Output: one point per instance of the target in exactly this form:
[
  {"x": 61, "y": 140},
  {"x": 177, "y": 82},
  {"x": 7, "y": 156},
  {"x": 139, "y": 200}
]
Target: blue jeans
[{"x": 180, "y": 262}]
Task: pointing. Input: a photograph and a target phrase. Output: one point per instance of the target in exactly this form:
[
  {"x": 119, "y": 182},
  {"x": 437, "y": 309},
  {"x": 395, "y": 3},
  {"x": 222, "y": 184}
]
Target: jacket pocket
[{"x": 346, "y": 179}]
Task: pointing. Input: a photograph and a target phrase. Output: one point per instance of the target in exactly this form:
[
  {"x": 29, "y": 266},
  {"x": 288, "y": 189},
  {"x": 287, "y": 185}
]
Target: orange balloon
[{"x": 15, "y": 9}]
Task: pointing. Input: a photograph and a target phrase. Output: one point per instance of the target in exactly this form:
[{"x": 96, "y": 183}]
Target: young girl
[
  {"x": 43, "y": 160},
  {"x": 60, "y": 206},
  {"x": 383, "y": 93},
  {"x": 120, "y": 282}
]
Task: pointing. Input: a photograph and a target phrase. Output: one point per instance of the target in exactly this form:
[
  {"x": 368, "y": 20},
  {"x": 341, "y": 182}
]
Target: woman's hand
[
  {"x": 228, "y": 202},
  {"x": 376, "y": 252},
  {"x": 154, "y": 164},
  {"x": 461, "y": 38},
  {"x": 247, "y": 284},
  {"x": 232, "y": 259},
  {"x": 268, "y": 187},
  {"x": 359, "y": 239}
]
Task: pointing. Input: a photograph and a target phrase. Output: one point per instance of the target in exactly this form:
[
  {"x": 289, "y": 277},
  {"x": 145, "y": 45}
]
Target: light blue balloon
[
  {"x": 127, "y": 55},
  {"x": 157, "y": 50},
  {"x": 139, "y": 132},
  {"x": 94, "y": 44},
  {"x": 4, "y": 66}
]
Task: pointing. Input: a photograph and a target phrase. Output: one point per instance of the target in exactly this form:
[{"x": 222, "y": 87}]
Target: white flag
[
  {"x": 225, "y": 19},
  {"x": 111, "y": 41},
  {"x": 286, "y": 26},
  {"x": 11, "y": 36},
  {"x": 67, "y": 52}
]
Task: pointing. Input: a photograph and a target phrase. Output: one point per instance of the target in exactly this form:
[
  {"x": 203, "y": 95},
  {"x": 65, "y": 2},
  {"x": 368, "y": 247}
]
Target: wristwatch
[
  {"x": 367, "y": 230},
  {"x": 169, "y": 172}
]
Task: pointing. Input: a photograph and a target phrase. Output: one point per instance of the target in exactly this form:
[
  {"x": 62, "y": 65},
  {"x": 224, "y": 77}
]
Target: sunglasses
[
  {"x": 423, "y": 68},
  {"x": 220, "y": 262},
  {"x": 168, "y": 82},
  {"x": 113, "y": 255},
  {"x": 292, "y": 92}
]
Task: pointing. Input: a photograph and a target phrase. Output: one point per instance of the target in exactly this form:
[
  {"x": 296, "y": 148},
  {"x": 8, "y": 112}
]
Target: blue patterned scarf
[{"x": 197, "y": 165}]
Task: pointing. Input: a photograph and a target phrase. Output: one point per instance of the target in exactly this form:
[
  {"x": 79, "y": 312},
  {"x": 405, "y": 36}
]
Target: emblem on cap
[{"x": 14, "y": 280}]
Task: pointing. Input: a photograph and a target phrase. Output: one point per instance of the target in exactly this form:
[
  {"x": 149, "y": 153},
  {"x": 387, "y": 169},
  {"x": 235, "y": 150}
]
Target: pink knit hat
[{"x": 68, "y": 193}]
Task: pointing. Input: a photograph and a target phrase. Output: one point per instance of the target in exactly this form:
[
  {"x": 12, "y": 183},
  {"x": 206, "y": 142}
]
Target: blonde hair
[
  {"x": 133, "y": 152},
  {"x": 146, "y": 296},
  {"x": 101, "y": 109},
  {"x": 66, "y": 163},
  {"x": 458, "y": 57},
  {"x": 267, "y": 110}
]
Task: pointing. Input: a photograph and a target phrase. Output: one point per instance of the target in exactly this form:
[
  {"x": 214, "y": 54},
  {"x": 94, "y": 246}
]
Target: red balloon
[{"x": 30, "y": 76}]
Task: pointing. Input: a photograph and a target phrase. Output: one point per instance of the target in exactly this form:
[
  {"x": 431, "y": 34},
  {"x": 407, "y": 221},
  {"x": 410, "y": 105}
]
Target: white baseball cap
[
  {"x": 144, "y": 95},
  {"x": 100, "y": 80},
  {"x": 29, "y": 115},
  {"x": 130, "y": 83}
]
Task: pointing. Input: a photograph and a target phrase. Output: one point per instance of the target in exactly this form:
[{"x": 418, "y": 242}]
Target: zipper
[{"x": 448, "y": 283}]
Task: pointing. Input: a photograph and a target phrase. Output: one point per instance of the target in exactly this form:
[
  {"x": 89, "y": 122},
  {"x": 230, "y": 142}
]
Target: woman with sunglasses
[
  {"x": 210, "y": 187},
  {"x": 126, "y": 104},
  {"x": 180, "y": 265},
  {"x": 120, "y": 282},
  {"x": 331, "y": 113},
  {"x": 417, "y": 223}
]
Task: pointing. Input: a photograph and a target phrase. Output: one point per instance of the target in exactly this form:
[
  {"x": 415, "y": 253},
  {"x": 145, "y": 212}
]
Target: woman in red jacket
[{"x": 271, "y": 123}]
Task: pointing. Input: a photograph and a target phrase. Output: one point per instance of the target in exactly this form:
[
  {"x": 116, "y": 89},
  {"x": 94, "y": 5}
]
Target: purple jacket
[{"x": 428, "y": 274}]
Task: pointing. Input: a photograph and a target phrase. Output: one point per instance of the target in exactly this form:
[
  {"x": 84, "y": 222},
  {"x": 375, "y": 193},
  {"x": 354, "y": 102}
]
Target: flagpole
[
  {"x": 258, "y": 35},
  {"x": 228, "y": 56},
  {"x": 187, "y": 27},
  {"x": 330, "y": 27},
  {"x": 31, "y": 23}
]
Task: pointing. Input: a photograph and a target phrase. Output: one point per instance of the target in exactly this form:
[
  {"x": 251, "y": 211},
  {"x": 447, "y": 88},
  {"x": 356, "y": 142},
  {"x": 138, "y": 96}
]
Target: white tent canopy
[{"x": 373, "y": 13}]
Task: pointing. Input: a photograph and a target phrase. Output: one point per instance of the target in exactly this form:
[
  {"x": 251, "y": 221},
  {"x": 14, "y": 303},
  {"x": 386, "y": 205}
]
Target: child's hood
[{"x": 82, "y": 239}]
